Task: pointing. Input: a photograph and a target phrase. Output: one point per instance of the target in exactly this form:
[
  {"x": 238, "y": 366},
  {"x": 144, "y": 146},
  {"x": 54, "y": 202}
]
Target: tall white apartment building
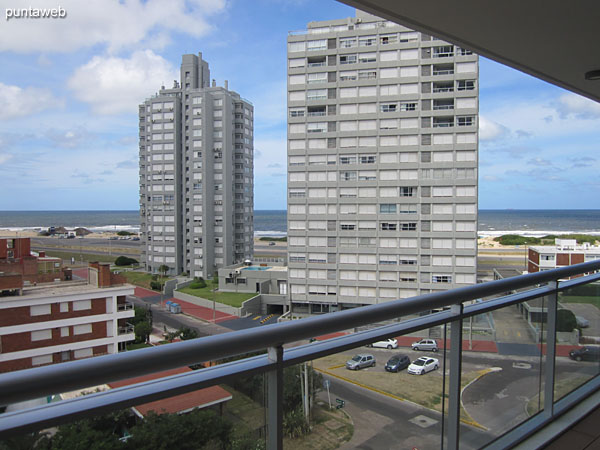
[
  {"x": 196, "y": 175},
  {"x": 382, "y": 164}
]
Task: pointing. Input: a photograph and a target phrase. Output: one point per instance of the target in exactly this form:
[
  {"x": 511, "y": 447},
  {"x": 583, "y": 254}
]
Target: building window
[
  {"x": 39, "y": 310},
  {"x": 85, "y": 328},
  {"x": 387, "y": 208},
  {"x": 441, "y": 278},
  {"x": 81, "y": 305},
  {"x": 408, "y": 191},
  {"x": 348, "y": 59},
  {"x": 41, "y": 335},
  {"x": 465, "y": 121},
  {"x": 465, "y": 85},
  {"x": 410, "y": 106},
  {"x": 40, "y": 360}
]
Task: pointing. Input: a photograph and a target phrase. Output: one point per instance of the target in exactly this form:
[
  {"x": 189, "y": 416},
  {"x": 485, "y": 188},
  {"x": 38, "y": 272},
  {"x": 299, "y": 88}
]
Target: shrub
[
  {"x": 515, "y": 239},
  {"x": 155, "y": 285},
  {"x": 198, "y": 283},
  {"x": 565, "y": 320},
  {"x": 125, "y": 261}
]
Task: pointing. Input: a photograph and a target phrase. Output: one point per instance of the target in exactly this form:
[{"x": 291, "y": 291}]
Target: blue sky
[{"x": 69, "y": 91}]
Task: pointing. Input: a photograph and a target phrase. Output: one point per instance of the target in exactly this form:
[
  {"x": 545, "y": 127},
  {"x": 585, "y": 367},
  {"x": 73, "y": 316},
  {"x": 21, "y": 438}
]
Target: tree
[
  {"x": 30, "y": 441},
  {"x": 565, "y": 320},
  {"x": 164, "y": 269},
  {"x": 188, "y": 333},
  {"x": 141, "y": 315},
  {"x": 142, "y": 331},
  {"x": 196, "y": 429},
  {"x": 125, "y": 261}
]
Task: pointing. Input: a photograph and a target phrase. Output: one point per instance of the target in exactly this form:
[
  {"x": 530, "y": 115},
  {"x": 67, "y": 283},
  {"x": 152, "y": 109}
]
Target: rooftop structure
[{"x": 202, "y": 398}]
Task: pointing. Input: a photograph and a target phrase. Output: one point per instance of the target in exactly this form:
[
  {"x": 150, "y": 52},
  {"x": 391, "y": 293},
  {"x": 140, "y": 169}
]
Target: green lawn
[
  {"x": 141, "y": 279},
  {"x": 592, "y": 300},
  {"x": 234, "y": 299},
  {"x": 80, "y": 257}
]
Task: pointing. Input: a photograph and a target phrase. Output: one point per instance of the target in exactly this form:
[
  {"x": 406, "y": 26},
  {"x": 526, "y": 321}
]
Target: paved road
[
  {"x": 499, "y": 400},
  {"x": 87, "y": 241},
  {"x": 383, "y": 422}
]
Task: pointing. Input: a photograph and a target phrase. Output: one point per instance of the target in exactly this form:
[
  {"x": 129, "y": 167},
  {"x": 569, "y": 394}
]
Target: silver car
[
  {"x": 360, "y": 361},
  {"x": 425, "y": 344}
]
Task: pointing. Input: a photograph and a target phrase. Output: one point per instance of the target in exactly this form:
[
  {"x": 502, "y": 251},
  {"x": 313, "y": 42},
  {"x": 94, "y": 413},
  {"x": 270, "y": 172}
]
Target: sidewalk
[
  {"x": 141, "y": 292},
  {"x": 201, "y": 312}
]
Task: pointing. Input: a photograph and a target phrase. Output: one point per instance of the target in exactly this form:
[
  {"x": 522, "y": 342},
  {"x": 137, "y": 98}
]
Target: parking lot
[{"x": 425, "y": 390}]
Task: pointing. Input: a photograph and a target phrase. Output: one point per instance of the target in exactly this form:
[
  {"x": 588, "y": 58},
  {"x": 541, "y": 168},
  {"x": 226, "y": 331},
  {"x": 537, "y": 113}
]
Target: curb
[{"x": 482, "y": 373}]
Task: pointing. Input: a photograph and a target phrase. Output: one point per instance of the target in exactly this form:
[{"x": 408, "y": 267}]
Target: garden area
[{"x": 208, "y": 290}]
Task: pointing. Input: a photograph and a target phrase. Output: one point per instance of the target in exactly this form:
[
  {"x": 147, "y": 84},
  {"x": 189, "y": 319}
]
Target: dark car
[
  {"x": 397, "y": 363},
  {"x": 587, "y": 353}
]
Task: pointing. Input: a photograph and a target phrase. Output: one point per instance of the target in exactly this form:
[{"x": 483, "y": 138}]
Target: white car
[
  {"x": 423, "y": 365},
  {"x": 386, "y": 343}
]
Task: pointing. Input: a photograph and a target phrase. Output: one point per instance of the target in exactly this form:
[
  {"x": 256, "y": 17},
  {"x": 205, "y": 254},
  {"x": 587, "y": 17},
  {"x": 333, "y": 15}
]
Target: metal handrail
[{"x": 37, "y": 382}]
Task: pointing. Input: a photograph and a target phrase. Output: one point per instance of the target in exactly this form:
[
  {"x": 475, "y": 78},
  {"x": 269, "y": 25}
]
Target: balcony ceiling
[{"x": 555, "y": 40}]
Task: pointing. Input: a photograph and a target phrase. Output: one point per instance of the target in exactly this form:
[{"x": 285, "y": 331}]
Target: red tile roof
[{"x": 180, "y": 403}]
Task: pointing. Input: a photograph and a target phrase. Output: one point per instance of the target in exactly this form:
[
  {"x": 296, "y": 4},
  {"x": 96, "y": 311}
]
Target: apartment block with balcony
[
  {"x": 65, "y": 320},
  {"x": 565, "y": 252},
  {"x": 196, "y": 175},
  {"x": 382, "y": 164}
]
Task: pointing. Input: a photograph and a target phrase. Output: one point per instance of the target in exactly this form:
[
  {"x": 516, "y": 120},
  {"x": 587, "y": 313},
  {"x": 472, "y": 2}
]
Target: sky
[{"x": 70, "y": 89}]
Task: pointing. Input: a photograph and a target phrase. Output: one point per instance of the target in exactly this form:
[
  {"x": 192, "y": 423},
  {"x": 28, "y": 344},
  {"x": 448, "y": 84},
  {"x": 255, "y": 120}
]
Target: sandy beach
[
  {"x": 484, "y": 242},
  {"x": 4, "y": 232}
]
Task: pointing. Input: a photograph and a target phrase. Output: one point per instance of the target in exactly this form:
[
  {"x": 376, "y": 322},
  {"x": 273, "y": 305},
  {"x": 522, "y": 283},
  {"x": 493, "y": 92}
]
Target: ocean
[{"x": 273, "y": 222}]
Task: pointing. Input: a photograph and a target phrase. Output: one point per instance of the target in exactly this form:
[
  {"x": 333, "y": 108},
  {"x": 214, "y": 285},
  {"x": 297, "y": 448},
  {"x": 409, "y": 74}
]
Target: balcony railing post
[
  {"x": 550, "y": 365},
  {"x": 275, "y": 400},
  {"x": 455, "y": 375}
]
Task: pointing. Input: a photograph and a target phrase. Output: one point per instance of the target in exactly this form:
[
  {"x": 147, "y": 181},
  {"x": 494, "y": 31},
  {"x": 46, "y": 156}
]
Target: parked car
[
  {"x": 586, "y": 353},
  {"x": 582, "y": 322},
  {"x": 397, "y": 362},
  {"x": 423, "y": 365},
  {"x": 425, "y": 344},
  {"x": 360, "y": 361},
  {"x": 271, "y": 243},
  {"x": 386, "y": 343}
]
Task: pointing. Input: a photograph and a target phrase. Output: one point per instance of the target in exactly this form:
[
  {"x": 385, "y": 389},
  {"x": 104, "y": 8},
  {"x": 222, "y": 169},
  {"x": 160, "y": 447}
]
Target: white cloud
[
  {"x": 71, "y": 138},
  {"x": 580, "y": 107},
  {"x": 490, "y": 130},
  {"x": 116, "y": 24},
  {"x": 19, "y": 102},
  {"x": 114, "y": 85}
]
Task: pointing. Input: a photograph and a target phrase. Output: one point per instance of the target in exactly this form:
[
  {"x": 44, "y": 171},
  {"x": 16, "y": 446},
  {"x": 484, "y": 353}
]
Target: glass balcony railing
[
  {"x": 125, "y": 306},
  {"x": 489, "y": 364},
  {"x": 125, "y": 329}
]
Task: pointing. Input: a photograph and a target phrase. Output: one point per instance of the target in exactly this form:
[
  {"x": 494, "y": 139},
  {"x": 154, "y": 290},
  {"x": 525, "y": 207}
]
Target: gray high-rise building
[
  {"x": 196, "y": 175},
  {"x": 382, "y": 164}
]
